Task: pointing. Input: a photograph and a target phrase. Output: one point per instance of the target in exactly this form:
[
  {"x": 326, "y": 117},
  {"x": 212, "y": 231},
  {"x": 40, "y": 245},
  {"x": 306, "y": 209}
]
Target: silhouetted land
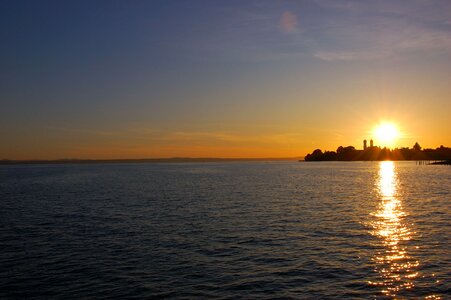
[
  {"x": 145, "y": 160},
  {"x": 377, "y": 153},
  {"x": 443, "y": 162}
]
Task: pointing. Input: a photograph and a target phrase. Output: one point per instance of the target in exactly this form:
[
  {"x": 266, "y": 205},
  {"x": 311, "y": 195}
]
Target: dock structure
[{"x": 429, "y": 162}]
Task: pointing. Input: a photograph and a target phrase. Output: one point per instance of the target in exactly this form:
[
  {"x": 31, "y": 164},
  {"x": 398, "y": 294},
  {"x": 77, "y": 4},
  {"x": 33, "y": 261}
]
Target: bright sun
[{"x": 386, "y": 134}]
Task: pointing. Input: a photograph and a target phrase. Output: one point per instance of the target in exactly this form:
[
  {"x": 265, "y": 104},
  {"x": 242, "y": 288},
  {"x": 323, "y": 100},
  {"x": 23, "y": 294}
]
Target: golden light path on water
[{"x": 396, "y": 269}]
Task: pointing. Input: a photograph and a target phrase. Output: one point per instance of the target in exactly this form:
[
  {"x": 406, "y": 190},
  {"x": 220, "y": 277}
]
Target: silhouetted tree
[
  {"x": 315, "y": 156},
  {"x": 317, "y": 152},
  {"x": 349, "y": 153},
  {"x": 417, "y": 147}
]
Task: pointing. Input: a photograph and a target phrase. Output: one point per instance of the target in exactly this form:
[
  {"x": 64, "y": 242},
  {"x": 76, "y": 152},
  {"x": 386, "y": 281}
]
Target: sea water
[{"x": 325, "y": 230}]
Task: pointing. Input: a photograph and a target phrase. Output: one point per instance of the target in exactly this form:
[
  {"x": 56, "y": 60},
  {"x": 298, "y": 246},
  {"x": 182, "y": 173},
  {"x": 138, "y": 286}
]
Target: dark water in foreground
[{"x": 226, "y": 230}]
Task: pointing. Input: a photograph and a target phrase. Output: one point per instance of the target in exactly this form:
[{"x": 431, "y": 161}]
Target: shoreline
[{"x": 143, "y": 160}]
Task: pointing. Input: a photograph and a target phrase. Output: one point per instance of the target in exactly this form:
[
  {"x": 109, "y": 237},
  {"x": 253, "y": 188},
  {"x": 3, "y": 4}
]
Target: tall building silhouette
[
  {"x": 364, "y": 144},
  {"x": 371, "y": 143}
]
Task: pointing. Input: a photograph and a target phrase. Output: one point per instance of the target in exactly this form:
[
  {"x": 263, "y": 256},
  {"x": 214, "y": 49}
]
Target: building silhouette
[
  {"x": 364, "y": 144},
  {"x": 371, "y": 143}
]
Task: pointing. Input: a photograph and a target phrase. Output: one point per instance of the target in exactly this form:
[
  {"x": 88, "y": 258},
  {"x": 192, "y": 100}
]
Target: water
[{"x": 360, "y": 230}]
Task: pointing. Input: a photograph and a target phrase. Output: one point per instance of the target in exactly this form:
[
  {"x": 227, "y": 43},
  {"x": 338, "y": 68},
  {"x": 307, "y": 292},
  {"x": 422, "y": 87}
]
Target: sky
[{"x": 151, "y": 79}]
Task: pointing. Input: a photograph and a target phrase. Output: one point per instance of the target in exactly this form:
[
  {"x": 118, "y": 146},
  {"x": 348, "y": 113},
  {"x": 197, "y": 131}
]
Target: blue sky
[{"x": 219, "y": 78}]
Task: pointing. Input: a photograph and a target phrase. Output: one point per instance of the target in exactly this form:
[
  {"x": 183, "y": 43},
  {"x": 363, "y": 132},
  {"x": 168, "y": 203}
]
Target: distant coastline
[
  {"x": 443, "y": 162},
  {"x": 143, "y": 160},
  {"x": 375, "y": 153}
]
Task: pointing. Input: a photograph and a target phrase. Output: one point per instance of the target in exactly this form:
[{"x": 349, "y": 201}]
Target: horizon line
[{"x": 124, "y": 160}]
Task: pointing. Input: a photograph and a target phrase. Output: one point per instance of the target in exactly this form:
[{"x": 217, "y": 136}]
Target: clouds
[
  {"x": 355, "y": 30},
  {"x": 368, "y": 31},
  {"x": 335, "y": 30},
  {"x": 389, "y": 39},
  {"x": 348, "y": 55},
  {"x": 322, "y": 29}
]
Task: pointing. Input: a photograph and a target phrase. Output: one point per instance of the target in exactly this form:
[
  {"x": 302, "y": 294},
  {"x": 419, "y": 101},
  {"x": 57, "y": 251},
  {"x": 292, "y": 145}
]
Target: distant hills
[
  {"x": 375, "y": 153},
  {"x": 144, "y": 160}
]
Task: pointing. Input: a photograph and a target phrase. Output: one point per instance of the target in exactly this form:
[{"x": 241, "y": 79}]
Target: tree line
[{"x": 349, "y": 153}]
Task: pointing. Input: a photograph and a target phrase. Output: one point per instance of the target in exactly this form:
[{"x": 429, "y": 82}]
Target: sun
[{"x": 386, "y": 134}]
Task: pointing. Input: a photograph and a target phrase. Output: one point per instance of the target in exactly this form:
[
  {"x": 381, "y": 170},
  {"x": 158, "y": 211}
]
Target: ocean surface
[{"x": 245, "y": 230}]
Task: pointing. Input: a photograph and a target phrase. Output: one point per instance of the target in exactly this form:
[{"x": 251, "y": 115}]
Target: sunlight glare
[
  {"x": 397, "y": 269},
  {"x": 386, "y": 134}
]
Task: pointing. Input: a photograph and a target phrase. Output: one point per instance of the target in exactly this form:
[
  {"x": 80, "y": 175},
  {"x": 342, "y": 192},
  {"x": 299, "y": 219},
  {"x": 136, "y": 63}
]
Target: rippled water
[{"x": 226, "y": 230}]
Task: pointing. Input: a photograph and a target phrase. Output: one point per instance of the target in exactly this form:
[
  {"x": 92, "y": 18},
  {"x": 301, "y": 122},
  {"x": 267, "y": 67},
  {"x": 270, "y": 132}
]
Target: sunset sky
[{"x": 141, "y": 79}]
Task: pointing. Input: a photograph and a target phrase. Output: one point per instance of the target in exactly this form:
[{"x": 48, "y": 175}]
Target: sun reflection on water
[{"x": 397, "y": 270}]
